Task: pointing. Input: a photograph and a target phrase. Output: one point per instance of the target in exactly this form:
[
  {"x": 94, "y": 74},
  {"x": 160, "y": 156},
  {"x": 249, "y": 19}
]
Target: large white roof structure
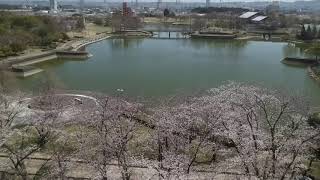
[
  {"x": 248, "y": 15},
  {"x": 259, "y": 18}
]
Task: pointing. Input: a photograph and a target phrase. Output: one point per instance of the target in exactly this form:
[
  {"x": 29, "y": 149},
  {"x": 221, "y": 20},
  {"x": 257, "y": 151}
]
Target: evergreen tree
[
  {"x": 314, "y": 31},
  {"x": 303, "y": 33},
  {"x": 166, "y": 12},
  {"x": 309, "y": 33}
]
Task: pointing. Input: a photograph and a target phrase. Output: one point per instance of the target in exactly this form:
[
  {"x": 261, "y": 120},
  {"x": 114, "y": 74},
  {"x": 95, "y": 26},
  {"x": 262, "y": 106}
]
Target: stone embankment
[
  {"x": 300, "y": 61},
  {"x": 312, "y": 74},
  {"x": 22, "y": 65},
  {"x": 33, "y": 57},
  {"x": 311, "y": 64},
  {"x": 216, "y": 35},
  {"x": 132, "y": 33},
  {"x": 80, "y": 44}
]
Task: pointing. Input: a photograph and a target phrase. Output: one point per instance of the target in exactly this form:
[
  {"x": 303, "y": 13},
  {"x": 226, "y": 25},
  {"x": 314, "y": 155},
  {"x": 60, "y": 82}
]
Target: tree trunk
[{"x": 159, "y": 156}]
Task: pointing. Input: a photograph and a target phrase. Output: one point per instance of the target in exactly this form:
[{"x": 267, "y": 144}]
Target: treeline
[
  {"x": 8, "y": 6},
  {"x": 100, "y": 21},
  {"x": 309, "y": 33},
  {"x": 19, "y": 32}
]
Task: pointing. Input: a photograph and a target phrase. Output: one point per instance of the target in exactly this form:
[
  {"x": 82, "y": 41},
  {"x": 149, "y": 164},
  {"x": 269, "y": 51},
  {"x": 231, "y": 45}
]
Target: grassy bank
[{"x": 19, "y": 33}]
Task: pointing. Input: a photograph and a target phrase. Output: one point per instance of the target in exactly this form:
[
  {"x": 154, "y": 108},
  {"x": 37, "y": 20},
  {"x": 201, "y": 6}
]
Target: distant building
[
  {"x": 259, "y": 19},
  {"x": 126, "y": 11},
  {"x": 273, "y": 8},
  {"x": 254, "y": 20},
  {"x": 159, "y": 4},
  {"x": 124, "y": 19},
  {"x": 248, "y": 15},
  {"x": 207, "y": 3},
  {"x": 253, "y": 17},
  {"x": 81, "y": 5},
  {"x": 53, "y": 6}
]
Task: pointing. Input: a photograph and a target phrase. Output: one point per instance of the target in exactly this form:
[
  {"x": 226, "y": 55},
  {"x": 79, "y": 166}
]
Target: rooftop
[
  {"x": 259, "y": 18},
  {"x": 248, "y": 15}
]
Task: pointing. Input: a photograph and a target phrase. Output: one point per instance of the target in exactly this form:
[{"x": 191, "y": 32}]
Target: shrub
[
  {"x": 65, "y": 36},
  {"x": 18, "y": 46}
]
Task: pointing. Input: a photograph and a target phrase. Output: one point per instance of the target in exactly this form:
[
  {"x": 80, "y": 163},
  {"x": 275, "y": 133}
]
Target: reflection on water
[
  {"x": 172, "y": 35},
  {"x": 160, "y": 67},
  {"x": 291, "y": 50},
  {"x": 217, "y": 44},
  {"x": 166, "y": 28},
  {"x": 120, "y": 43}
]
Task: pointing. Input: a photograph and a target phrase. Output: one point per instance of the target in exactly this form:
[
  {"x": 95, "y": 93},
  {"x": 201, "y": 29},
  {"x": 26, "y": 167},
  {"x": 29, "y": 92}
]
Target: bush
[
  {"x": 314, "y": 120},
  {"x": 65, "y": 36},
  {"x": 6, "y": 51},
  {"x": 19, "y": 32},
  {"x": 18, "y": 46},
  {"x": 2, "y": 55},
  {"x": 24, "y": 22},
  {"x": 99, "y": 21},
  {"x": 46, "y": 41}
]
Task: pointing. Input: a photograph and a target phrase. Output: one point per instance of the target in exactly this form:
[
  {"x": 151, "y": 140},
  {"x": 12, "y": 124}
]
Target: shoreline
[
  {"x": 70, "y": 50},
  {"x": 90, "y": 42},
  {"x": 312, "y": 74},
  {"x": 77, "y": 45},
  {"x": 68, "y": 46}
]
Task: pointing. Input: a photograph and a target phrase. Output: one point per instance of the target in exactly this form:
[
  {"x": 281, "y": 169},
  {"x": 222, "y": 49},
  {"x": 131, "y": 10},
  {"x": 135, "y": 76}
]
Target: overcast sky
[
  {"x": 192, "y": 0},
  {"x": 171, "y": 0},
  {"x": 197, "y": 0}
]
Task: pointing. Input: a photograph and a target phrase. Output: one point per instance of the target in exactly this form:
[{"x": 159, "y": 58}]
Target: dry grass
[
  {"x": 90, "y": 31},
  {"x": 315, "y": 170}
]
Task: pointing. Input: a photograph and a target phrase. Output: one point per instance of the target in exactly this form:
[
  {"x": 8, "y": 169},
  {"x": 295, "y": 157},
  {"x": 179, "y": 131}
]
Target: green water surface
[{"x": 158, "y": 67}]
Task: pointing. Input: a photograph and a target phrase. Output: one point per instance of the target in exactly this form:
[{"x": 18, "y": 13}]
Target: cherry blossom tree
[
  {"x": 11, "y": 107},
  {"x": 268, "y": 130},
  {"x": 183, "y": 133},
  {"x": 259, "y": 132},
  {"x": 61, "y": 151},
  {"x": 233, "y": 129},
  {"x": 113, "y": 128},
  {"x": 32, "y": 131}
]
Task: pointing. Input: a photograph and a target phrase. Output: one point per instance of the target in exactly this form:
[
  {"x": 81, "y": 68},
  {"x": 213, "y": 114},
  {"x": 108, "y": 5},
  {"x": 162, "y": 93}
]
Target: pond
[{"x": 162, "y": 67}]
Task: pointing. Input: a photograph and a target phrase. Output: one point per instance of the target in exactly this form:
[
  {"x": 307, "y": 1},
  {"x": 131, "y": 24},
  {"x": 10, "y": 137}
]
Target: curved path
[
  {"x": 68, "y": 95},
  {"x": 82, "y": 96},
  {"x": 90, "y": 41}
]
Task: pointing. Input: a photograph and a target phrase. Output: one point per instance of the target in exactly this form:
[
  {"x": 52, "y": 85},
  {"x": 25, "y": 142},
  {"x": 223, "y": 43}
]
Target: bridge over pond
[{"x": 169, "y": 35}]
